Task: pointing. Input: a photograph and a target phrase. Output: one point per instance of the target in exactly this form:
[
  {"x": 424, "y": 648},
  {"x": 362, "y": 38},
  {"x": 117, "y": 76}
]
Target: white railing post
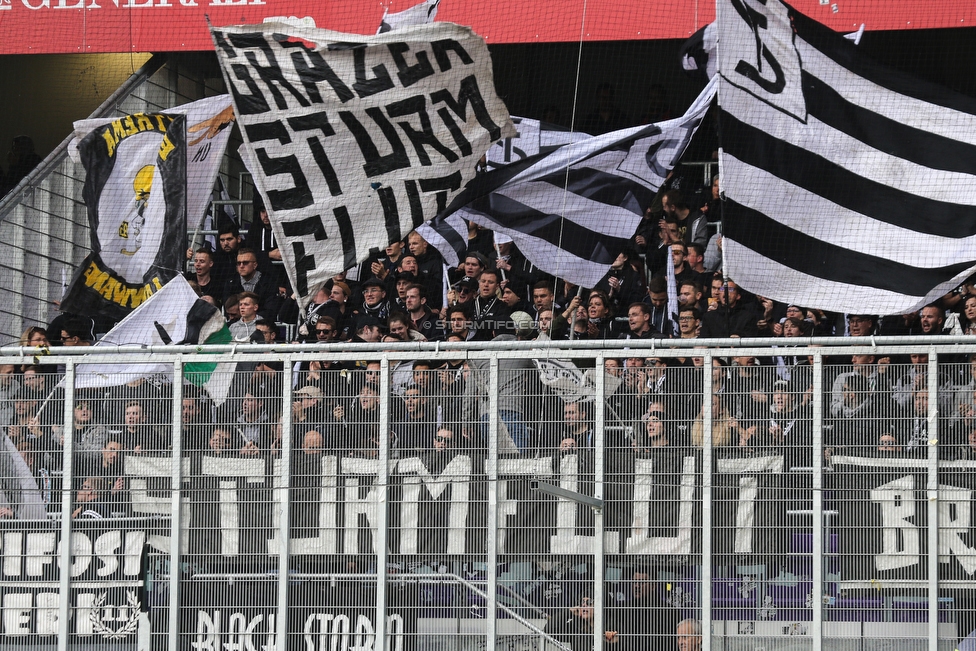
[
  {"x": 599, "y": 440},
  {"x": 176, "y": 503},
  {"x": 932, "y": 494},
  {"x": 382, "y": 547},
  {"x": 284, "y": 500},
  {"x": 67, "y": 481},
  {"x": 491, "y": 571},
  {"x": 706, "y": 532},
  {"x": 817, "y": 588}
]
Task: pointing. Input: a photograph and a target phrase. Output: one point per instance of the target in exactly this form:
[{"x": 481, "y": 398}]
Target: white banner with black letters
[{"x": 356, "y": 140}]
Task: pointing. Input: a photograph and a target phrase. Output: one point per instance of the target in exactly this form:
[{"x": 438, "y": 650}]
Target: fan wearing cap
[
  {"x": 523, "y": 325},
  {"x": 306, "y": 413},
  {"x": 471, "y": 267},
  {"x": 374, "y": 300},
  {"x": 403, "y": 280},
  {"x": 463, "y": 291},
  {"x": 512, "y": 297},
  {"x": 382, "y": 266},
  {"x": 369, "y": 329}
]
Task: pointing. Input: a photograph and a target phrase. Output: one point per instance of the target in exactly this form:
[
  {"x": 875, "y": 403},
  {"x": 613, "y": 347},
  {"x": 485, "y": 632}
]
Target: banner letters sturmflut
[
  {"x": 437, "y": 509},
  {"x": 356, "y": 140},
  {"x": 135, "y": 191}
]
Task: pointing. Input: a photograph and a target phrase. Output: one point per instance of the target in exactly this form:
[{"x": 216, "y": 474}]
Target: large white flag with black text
[
  {"x": 849, "y": 187},
  {"x": 356, "y": 140}
]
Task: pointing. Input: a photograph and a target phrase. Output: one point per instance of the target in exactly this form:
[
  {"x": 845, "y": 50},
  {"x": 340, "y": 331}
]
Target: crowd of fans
[
  {"x": 440, "y": 408},
  {"x": 874, "y": 405}
]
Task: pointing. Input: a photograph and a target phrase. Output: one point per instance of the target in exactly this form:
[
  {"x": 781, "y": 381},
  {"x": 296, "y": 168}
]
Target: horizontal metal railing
[{"x": 377, "y": 506}]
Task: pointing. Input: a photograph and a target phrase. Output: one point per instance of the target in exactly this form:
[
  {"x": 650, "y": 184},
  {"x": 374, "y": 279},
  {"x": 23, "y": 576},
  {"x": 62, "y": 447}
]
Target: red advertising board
[{"x": 89, "y": 26}]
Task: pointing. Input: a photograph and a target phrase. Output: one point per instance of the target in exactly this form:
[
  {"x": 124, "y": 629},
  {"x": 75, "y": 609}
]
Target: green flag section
[{"x": 206, "y": 325}]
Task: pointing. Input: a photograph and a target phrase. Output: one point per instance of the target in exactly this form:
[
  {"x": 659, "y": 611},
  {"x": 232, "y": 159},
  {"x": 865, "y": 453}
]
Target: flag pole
[
  {"x": 498, "y": 253},
  {"x": 572, "y": 324}
]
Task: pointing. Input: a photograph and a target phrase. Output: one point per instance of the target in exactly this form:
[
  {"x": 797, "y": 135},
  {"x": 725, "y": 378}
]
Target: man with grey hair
[{"x": 689, "y": 634}]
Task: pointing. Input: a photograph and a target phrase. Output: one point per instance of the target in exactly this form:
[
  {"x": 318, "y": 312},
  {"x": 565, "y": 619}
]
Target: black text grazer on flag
[
  {"x": 356, "y": 140},
  {"x": 135, "y": 191},
  {"x": 849, "y": 186}
]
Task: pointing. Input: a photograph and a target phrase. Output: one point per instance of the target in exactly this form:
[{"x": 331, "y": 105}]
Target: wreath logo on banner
[{"x": 130, "y": 626}]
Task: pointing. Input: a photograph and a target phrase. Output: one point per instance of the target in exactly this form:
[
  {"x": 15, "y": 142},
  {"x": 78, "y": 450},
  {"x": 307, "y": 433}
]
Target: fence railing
[{"x": 504, "y": 495}]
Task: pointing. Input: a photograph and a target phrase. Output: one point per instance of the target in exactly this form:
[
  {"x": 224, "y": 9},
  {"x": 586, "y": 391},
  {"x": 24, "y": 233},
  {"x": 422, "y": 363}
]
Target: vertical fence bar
[
  {"x": 67, "y": 480},
  {"x": 932, "y": 493},
  {"x": 817, "y": 588},
  {"x": 706, "y": 532},
  {"x": 284, "y": 497},
  {"x": 176, "y": 500},
  {"x": 491, "y": 571},
  {"x": 382, "y": 549},
  {"x": 599, "y": 592}
]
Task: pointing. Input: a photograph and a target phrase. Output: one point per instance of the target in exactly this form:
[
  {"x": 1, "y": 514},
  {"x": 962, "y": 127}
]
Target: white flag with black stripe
[
  {"x": 449, "y": 235},
  {"x": 849, "y": 187},
  {"x": 532, "y": 137},
  {"x": 572, "y": 210}
]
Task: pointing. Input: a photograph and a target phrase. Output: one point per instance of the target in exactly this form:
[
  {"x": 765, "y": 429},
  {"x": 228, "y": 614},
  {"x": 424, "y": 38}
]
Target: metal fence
[{"x": 509, "y": 496}]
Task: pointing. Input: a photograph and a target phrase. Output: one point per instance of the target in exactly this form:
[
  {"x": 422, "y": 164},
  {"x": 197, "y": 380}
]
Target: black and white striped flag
[
  {"x": 532, "y": 137},
  {"x": 849, "y": 187},
  {"x": 449, "y": 235},
  {"x": 572, "y": 210}
]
